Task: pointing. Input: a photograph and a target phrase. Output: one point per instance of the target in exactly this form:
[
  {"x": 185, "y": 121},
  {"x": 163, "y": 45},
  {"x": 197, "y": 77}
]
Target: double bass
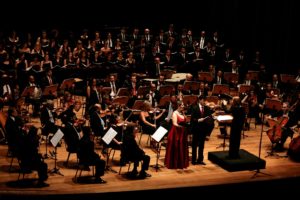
[{"x": 276, "y": 128}]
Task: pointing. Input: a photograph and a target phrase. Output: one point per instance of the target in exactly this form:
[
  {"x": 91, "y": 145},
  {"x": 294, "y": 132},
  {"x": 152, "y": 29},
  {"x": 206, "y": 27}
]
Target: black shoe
[
  {"x": 100, "y": 180},
  {"x": 42, "y": 184},
  {"x": 143, "y": 175},
  {"x": 134, "y": 172},
  {"x": 201, "y": 163}
]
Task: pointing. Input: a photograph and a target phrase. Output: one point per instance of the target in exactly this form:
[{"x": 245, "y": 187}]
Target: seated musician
[
  {"x": 132, "y": 152},
  {"x": 35, "y": 97},
  {"x": 87, "y": 156},
  {"x": 48, "y": 118},
  {"x": 147, "y": 120},
  {"x": 286, "y": 119},
  {"x": 30, "y": 158},
  {"x": 253, "y": 106}
]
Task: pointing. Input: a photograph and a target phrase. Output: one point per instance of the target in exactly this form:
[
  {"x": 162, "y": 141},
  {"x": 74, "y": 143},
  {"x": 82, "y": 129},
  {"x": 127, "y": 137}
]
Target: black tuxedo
[
  {"x": 200, "y": 130},
  {"x": 97, "y": 124},
  {"x": 132, "y": 152},
  {"x": 87, "y": 155},
  {"x": 13, "y": 131},
  {"x": 48, "y": 122}
]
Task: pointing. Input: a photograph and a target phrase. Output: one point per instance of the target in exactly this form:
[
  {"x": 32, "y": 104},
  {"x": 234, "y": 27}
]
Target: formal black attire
[
  {"x": 132, "y": 152},
  {"x": 48, "y": 121},
  {"x": 87, "y": 155},
  {"x": 200, "y": 130},
  {"x": 238, "y": 114},
  {"x": 28, "y": 155}
]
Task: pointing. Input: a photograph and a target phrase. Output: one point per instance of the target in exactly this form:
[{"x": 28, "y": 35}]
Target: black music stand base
[
  {"x": 55, "y": 170},
  {"x": 223, "y": 144},
  {"x": 109, "y": 169},
  {"x": 257, "y": 172}
]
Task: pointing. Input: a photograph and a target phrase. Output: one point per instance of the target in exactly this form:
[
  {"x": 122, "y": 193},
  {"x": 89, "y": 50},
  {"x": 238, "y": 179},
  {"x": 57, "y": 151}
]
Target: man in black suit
[
  {"x": 201, "y": 126},
  {"x": 13, "y": 127},
  {"x": 87, "y": 155},
  {"x": 48, "y": 118},
  {"x": 132, "y": 152},
  {"x": 29, "y": 156}
]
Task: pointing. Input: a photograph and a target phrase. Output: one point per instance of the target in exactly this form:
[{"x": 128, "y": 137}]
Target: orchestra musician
[
  {"x": 291, "y": 119},
  {"x": 132, "y": 152},
  {"x": 35, "y": 97},
  {"x": 148, "y": 122},
  {"x": 87, "y": 156},
  {"x": 29, "y": 156},
  {"x": 48, "y": 117},
  {"x": 13, "y": 127}
]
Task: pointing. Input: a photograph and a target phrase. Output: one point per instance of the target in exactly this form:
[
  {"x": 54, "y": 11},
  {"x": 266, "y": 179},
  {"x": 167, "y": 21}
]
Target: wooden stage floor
[{"x": 280, "y": 174}]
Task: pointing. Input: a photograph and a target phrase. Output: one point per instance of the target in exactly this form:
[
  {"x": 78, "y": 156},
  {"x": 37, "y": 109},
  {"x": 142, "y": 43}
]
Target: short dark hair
[{"x": 200, "y": 97}]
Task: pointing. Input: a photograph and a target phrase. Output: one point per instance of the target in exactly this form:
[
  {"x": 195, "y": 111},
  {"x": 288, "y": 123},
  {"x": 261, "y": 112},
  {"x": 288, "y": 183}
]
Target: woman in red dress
[{"x": 177, "y": 155}]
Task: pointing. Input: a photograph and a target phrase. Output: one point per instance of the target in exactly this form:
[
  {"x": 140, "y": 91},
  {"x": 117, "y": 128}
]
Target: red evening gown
[{"x": 177, "y": 153}]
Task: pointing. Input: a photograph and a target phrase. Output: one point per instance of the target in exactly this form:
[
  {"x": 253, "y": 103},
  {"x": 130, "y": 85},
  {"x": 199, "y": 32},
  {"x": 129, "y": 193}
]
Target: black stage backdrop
[{"x": 266, "y": 25}]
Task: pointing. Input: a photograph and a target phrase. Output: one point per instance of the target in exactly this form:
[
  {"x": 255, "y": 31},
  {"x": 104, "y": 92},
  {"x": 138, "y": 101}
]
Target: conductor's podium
[{"x": 246, "y": 161}]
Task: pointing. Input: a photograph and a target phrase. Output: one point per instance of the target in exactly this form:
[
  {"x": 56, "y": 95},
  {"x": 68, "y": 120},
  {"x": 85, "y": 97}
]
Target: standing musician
[{"x": 201, "y": 125}]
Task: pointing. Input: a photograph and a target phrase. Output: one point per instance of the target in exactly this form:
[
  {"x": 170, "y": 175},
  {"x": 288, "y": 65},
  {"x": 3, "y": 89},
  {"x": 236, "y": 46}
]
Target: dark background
[{"x": 265, "y": 25}]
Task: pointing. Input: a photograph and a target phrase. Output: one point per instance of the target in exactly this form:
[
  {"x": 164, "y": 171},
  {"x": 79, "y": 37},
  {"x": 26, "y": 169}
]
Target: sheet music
[
  {"x": 109, "y": 136},
  {"x": 224, "y": 118},
  {"x": 159, "y": 134},
  {"x": 57, "y": 137}
]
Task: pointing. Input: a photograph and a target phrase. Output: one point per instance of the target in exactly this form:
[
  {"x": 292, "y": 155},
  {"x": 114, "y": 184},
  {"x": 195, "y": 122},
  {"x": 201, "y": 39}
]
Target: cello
[{"x": 276, "y": 126}]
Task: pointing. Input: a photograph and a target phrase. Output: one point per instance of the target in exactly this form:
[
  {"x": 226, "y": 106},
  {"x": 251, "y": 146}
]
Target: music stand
[
  {"x": 273, "y": 104},
  {"x": 107, "y": 138},
  {"x": 167, "y": 73},
  {"x": 164, "y": 101},
  {"x": 143, "y": 90},
  {"x": 50, "y": 90},
  {"x": 67, "y": 83},
  {"x": 220, "y": 89},
  {"x": 213, "y": 99},
  {"x": 123, "y": 92},
  {"x": 253, "y": 75},
  {"x": 205, "y": 76},
  {"x": 191, "y": 85},
  {"x": 28, "y": 91},
  {"x": 120, "y": 100},
  {"x": 54, "y": 141},
  {"x": 189, "y": 99},
  {"x": 244, "y": 88},
  {"x": 224, "y": 119},
  {"x": 157, "y": 137},
  {"x": 106, "y": 90},
  {"x": 166, "y": 90},
  {"x": 287, "y": 78},
  {"x": 138, "y": 105},
  {"x": 229, "y": 77}
]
